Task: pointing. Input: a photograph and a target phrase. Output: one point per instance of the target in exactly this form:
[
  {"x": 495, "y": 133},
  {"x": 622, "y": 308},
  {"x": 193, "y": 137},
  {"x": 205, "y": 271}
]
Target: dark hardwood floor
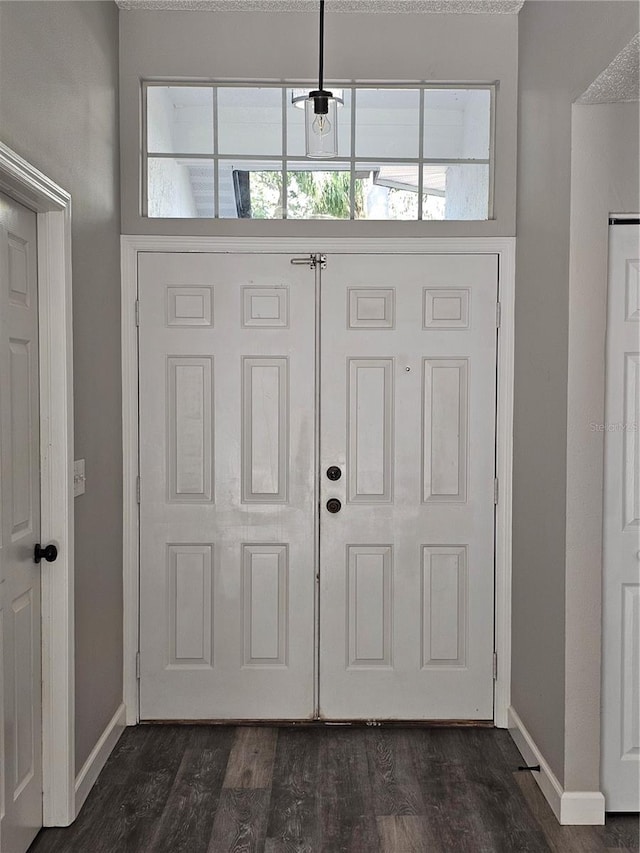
[{"x": 215, "y": 789}]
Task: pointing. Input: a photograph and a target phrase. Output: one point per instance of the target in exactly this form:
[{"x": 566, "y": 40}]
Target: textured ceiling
[
  {"x": 620, "y": 81},
  {"x": 483, "y": 7}
]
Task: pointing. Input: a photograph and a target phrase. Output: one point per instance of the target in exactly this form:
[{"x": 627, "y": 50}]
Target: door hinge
[
  {"x": 137, "y": 312},
  {"x": 138, "y": 489},
  {"x": 312, "y": 261},
  {"x": 498, "y": 314},
  {"x": 495, "y": 666},
  {"x": 138, "y": 666},
  {"x": 496, "y": 490}
]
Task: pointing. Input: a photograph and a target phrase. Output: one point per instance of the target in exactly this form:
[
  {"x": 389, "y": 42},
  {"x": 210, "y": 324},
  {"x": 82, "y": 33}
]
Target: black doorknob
[
  {"x": 334, "y": 473},
  {"x": 49, "y": 553},
  {"x": 334, "y": 505}
]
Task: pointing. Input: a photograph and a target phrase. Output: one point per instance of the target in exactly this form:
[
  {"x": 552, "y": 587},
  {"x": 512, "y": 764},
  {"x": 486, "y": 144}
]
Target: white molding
[
  {"x": 504, "y": 472},
  {"x": 52, "y": 204},
  {"x": 571, "y": 808},
  {"x": 504, "y": 247},
  {"x": 131, "y": 519},
  {"x": 98, "y": 756}
]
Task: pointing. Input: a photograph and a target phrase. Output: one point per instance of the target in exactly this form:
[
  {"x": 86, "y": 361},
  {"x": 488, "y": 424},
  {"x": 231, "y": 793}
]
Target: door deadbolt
[
  {"x": 334, "y": 473},
  {"x": 334, "y": 505}
]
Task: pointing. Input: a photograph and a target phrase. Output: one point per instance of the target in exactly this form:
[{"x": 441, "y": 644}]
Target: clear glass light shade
[{"x": 321, "y": 131}]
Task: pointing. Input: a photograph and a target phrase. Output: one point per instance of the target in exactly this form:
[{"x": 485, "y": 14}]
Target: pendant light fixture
[{"x": 320, "y": 112}]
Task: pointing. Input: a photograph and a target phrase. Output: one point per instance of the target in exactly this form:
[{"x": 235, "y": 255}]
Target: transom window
[{"x": 237, "y": 152}]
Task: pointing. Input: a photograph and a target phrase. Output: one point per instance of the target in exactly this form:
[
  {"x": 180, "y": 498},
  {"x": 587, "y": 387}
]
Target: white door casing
[
  {"x": 621, "y": 533},
  {"x": 20, "y": 607},
  {"x": 408, "y": 414},
  {"x": 227, "y": 449},
  {"x": 196, "y": 274}
]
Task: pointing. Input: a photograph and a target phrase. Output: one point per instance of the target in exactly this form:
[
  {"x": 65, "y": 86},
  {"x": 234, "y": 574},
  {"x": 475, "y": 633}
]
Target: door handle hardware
[
  {"x": 50, "y": 553},
  {"x": 334, "y": 505},
  {"x": 334, "y": 473}
]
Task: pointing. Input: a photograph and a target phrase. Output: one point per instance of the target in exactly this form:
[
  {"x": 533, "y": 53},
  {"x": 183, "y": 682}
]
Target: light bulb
[{"x": 321, "y": 125}]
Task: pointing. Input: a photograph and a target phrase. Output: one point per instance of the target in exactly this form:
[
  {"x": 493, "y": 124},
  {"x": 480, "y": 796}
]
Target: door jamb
[
  {"x": 503, "y": 247},
  {"x": 52, "y": 205}
]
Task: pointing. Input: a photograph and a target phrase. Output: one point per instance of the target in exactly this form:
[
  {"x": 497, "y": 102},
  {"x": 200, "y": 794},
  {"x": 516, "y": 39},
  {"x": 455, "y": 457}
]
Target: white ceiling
[
  {"x": 620, "y": 81},
  {"x": 508, "y": 7}
]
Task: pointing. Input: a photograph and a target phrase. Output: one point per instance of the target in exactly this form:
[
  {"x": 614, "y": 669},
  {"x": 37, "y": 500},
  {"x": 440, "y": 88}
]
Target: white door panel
[
  {"x": 227, "y": 455},
  {"x": 621, "y": 534},
  {"x": 21, "y": 783},
  {"x": 408, "y": 413}
]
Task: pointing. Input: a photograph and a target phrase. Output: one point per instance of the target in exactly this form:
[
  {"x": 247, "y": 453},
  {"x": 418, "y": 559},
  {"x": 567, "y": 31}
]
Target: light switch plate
[{"x": 79, "y": 478}]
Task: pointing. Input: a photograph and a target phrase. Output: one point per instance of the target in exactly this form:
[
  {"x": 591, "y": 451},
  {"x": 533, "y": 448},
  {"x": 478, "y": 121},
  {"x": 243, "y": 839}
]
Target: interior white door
[
  {"x": 621, "y": 534},
  {"x": 227, "y": 426},
  {"x": 20, "y": 677},
  {"x": 408, "y": 416}
]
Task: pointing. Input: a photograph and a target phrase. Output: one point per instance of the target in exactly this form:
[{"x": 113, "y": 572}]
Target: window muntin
[{"x": 232, "y": 151}]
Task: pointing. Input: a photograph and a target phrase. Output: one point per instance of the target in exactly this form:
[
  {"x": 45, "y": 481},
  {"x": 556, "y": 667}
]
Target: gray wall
[
  {"x": 58, "y": 109},
  {"x": 604, "y": 180},
  {"x": 563, "y": 46},
  {"x": 283, "y": 46}
]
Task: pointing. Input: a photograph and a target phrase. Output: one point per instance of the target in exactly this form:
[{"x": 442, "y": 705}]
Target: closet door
[{"x": 621, "y": 532}]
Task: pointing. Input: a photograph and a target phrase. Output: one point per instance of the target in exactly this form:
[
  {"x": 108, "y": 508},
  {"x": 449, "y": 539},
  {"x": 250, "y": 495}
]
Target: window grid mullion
[
  {"x": 352, "y": 159},
  {"x": 216, "y": 165},
  {"x": 420, "y": 153},
  {"x": 285, "y": 157}
]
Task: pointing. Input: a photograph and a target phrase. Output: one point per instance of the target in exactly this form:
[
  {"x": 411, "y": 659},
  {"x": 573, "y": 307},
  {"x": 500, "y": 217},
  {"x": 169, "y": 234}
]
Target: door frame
[
  {"x": 52, "y": 205},
  {"x": 503, "y": 247}
]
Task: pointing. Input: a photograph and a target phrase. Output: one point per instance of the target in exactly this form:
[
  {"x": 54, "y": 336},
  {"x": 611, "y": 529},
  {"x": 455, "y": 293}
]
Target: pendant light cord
[{"x": 321, "y": 62}]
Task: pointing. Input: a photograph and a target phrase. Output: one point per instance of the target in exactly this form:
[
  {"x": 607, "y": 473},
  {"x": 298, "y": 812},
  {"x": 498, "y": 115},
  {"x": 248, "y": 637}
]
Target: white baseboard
[
  {"x": 571, "y": 808},
  {"x": 86, "y": 778}
]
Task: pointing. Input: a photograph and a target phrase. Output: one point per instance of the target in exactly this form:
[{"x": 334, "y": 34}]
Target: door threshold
[{"x": 316, "y": 723}]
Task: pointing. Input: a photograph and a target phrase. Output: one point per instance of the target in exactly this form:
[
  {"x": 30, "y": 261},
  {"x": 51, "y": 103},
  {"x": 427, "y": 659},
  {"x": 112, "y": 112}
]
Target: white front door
[
  {"x": 621, "y": 533},
  {"x": 227, "y": 420},
  {"x": 234, "y": 502},
  {"x": 20, "y": 676},
  {"x": 408, "y": 414}
]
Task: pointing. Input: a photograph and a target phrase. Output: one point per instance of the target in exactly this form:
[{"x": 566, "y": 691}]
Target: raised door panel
[
  {"x": 190, "y": 428},
  {"x": 445, "y": 429},
  {"x": 370, "y": 459},
  {"x": 631, "y": 447},
  {"x": 265, "y": 425},
  {"x": 22, "y": 479},
  {"x": 370, "y": 608},
  {"x": 190, "y": 569}
]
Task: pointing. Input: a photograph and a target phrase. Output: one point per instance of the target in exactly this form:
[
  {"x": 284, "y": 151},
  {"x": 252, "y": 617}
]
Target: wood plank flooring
[{"x": 217, "y": 789}]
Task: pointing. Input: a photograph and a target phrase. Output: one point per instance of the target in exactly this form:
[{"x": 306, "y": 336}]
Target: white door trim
[
  {"x": 504, "y": 247},
  {"x": 22, "y": 182}
]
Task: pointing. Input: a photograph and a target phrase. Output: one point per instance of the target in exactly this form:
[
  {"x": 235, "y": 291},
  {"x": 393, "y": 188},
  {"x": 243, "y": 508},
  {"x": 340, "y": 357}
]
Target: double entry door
[{"x": 317, "y": 461}]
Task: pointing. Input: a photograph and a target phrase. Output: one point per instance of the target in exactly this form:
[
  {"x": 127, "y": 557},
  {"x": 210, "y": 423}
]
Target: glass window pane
[
  {"x": 386, "y": 191},
  {"x": 457, "y": 123},
  {"x": 250, "y": 121},
  {"x": 387, "y": 122},
  {"x": 180, "y": 120},
  {"x": 464, "y": 187},
  {"x": 250, "y": 189},
  {"x": 179, "y": 187},
  {"x": 317, "y": 190},
  {"x": 295, "y": 123}
]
